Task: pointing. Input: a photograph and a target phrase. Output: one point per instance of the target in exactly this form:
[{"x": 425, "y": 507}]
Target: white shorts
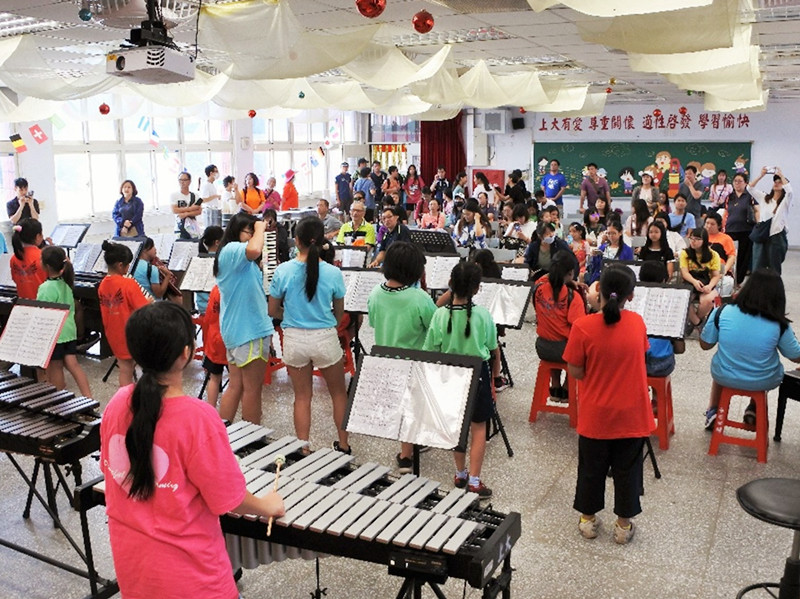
[
  {"x": 257, "y": 349},
  {"x": 319, "y": 347}
]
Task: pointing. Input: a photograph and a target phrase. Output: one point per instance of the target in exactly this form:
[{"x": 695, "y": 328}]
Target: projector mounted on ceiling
[{"x": 154, "y": 58}]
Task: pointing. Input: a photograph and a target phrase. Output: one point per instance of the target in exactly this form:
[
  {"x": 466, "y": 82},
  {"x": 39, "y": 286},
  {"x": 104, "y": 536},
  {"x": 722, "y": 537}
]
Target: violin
[{"x": 172, "y": 287}]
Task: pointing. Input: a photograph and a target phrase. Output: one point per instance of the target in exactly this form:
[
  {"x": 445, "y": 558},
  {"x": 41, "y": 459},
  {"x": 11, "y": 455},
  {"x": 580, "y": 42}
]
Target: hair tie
[
  {"x": 313, "y": 242},
  {"x": 612, "y": 296},
  {"x": 326, "y": 247},
  {"x": 17, "y": 228}
]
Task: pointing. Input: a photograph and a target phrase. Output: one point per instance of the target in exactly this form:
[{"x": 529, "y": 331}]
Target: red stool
[
  {"x": 761, "y": 439},
  {"x": 541, "y": 392},
  {"x": 275, "y": 363},
  {"x": 665, "y": 421}
]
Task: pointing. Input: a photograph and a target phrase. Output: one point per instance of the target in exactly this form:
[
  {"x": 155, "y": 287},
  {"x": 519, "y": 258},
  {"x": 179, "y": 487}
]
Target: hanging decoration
[
  {"x": 104, "y": 108},
  {"x": 522, "y": 110},
  {"x": 683, "y": 110},
  {"x": 370, "y": 8},
  {"x": 38, "y": 134},
  {"x": 689, "y": 92},
  {"x": 301, "y": 95},
  {"x": 422, "y": 21},
  {"x": 609, "y": 90},
  {"x": 612, "y": 81},
  {"x": 19, "y": 145},
  {"x": 251, "y": 113},
  {"x": 85, "y": 14},
  {"x": 657, "y": 112}
]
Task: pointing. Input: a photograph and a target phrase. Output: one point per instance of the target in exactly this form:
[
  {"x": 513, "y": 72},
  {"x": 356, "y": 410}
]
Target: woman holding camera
[{"x": 773, "y": 207}]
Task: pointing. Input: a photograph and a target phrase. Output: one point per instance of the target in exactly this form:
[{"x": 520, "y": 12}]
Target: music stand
[
  {"x": 351, "y": 256},
  {"x": 31, "y": 332},
  {"x": 359, "y": 283},
  {"x": 438, "y": 268},
  {"x": 663, "y": 307},
  {"x": 69, "y": 235},
  {"x": 634, "y": 265},
  {"x": 433, "y": 241}
]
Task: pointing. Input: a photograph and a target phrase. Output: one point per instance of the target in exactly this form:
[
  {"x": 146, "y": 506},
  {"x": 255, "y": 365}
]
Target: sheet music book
[
  {"x": 5, "y": 271},
  {"x": 69, "y": 235},
  {"x": 359, "y": 284},
  {"x": 438, "y": 268},
  {"x": 134, "y": 244},
  {"x": 350, "y": 256},
  {"x": 426, "y": 402},
  {"x": 515, "y": 273},
  {"x": 86, "y": 256},
  {"x": 200, "y": 275},
  {"x": 662, "y": 307},
  {"x": 182, "y": 254},
  {"x": 507, "y": 301},
  {"x": 163, "y": 243},
  {"x": 31, "y": 333}
]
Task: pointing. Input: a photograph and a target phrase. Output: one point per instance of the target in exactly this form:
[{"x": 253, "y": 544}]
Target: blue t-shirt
[
  {"x": 747, "y": 349},
  {"x": 365, "y": 185},
  {"x": 243, "y": 306},
  {"x": 3, "y": 246},
  {"x": 689, "y": 223},
  {"x": 289, "y": 284},
  {"x": 553, "y": 184},
  {"x": 343, "y": 186},
  {"x": 140, "y": 274}
]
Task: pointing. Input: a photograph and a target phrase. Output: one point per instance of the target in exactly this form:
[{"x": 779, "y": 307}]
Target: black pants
[
  {"x": 744, "y": 254},
  {"x": 595, "y": 457}
]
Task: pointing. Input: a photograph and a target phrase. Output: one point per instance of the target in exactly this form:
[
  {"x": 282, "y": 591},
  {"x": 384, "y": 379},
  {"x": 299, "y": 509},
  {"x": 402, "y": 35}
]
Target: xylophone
[{"x": 361, "y": 512}]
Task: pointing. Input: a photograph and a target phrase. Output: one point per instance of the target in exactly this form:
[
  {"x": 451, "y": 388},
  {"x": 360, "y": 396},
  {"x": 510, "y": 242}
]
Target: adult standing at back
[
  {"x": 128, "y": 211},
  {"x": 692, "y": 190},
  {"x": 187, "y": 207},
  {"x": 343, "y": 184},
  {"x": 251, "y": 200},
  {"x": 553, "y": 184},
  {"x": 592, "y": 187},
  {"x": 272, "y": 199},
  {"x": 741, "y": 214},
  {"x": 23, "y": 205},
  {"x": 378, "y": 177},
  {"x": 773, "y": 207},
  {"x": 290, "y": 198},
  {"x": 208, "y": 191}
]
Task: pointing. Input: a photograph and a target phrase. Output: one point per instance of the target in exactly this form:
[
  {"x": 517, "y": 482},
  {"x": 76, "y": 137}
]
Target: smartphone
[
  {"x": 29, "y": 194},
  {"x": 771, "y": 170}
]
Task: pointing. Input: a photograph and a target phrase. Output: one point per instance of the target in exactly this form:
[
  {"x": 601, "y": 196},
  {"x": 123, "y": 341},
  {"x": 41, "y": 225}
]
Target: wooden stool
[
  {"x": 761, "y": 440},
  {"x": 665, "y": 421},
  {"x": 541, "y": 393}
]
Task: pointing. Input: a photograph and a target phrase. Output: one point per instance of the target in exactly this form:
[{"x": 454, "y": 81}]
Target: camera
[
  {"x": 771, "y": 170},
  {"x": 29, "y": 194}
]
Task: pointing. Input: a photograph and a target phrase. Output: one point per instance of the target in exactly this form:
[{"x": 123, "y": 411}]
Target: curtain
[{"x": 442, "y": 144}]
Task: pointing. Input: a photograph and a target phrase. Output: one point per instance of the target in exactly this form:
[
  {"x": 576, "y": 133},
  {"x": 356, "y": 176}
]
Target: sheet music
[
  {"x": 377, "y": 407},
  {"x": 164, "y": 243},
  {"x": 663, "y": 309},
  {"x": 200, "y": 275},
  {"x": 134, "y": 246},
  {"x": 182, "y": 253},
  {"x": 5, "y": 271},
  {"x": 438, "y": 269},
  {"x": 515, "y": 273},
  {"x": 30, "y": 335},
  {"x": 350, "y": 258},
  {"x": 360, "y": 284},
  {"x": 68, "y": 236},
  {"x": 86, "y": 256},
  {"x": 506, "y": 303}
]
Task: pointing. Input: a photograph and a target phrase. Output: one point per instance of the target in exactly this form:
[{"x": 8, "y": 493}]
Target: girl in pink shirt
[{"x": 170, "y": 472}]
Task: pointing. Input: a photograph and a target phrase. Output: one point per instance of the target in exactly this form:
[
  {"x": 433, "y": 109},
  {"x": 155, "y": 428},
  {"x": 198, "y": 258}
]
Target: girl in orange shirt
[
  {"x": 26, "y": 263},
  {"x": 120, "y": 296},
  {"x": 290, "y": 197},
  {"x": 252, "y": 198}
]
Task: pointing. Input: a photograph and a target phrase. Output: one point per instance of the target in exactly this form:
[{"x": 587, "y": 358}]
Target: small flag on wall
[
  {"x": 144, "y": 124},
  {"x": 19, "y": 145},
  {"x": 38, "y": 134},
  {"x": 154, "y": 139},
  {"x": 58, "y": 122}
]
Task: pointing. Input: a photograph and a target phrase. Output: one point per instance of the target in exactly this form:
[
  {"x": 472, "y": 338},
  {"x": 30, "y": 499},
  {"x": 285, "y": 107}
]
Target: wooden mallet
[{"x": 279, "y": 461}]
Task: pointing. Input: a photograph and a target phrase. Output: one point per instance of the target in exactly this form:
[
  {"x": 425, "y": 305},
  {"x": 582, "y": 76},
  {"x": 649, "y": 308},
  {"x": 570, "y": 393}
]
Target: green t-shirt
[
  {"x": 58, "y": 292},
  {"x": 400, "y": 317},
  {"x": 482, "y": 338}
]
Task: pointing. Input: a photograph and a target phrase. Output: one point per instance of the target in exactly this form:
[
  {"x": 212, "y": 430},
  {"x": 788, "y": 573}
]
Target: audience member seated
[
  {"x": 700, "y": 267},
  {"x": 470, "y": 231},
  {"x": 542, "y": 249},
  {"x": 657, "y": 249},
  {"x": 612, "y": 247}
]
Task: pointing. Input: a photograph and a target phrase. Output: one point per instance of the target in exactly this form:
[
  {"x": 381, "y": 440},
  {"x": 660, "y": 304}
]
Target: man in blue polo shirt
[{"x": 554, "y": 183}]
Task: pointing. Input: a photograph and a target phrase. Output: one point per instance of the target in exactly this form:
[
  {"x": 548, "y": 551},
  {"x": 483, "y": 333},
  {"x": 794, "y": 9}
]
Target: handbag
[
  {"x": 131, "y": 232},
  {"x": 760, "y": 233}
]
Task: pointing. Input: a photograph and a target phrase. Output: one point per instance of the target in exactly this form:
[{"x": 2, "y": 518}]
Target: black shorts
[
  {"x": 483, "y": 407},
  {"x": 68, "y": 348},
  {"x": 551, "y": 351},
  {"x": 213, "y": 367},
  {"x": 344, "y": 205}
]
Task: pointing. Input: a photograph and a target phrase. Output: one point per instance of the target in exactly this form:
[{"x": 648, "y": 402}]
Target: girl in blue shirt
[
  {"x": 147, "y": 274},
  {"x": 307, "y": 293}
]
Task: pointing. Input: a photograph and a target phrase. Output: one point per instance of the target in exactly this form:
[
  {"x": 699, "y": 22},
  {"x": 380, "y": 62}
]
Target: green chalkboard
[{"x": 635, "y": 157}]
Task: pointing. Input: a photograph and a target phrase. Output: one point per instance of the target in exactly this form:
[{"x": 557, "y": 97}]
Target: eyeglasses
[
  {"x": 183, "y": 179},
  {"x": 250, "y": 232}
]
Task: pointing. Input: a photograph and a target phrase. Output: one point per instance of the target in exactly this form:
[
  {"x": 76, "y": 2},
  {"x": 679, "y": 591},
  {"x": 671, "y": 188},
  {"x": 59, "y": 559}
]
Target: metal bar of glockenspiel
[
  {"x": 419, "y": 540},
  {"x": 459, "y": 537},
  {"x": 382, "y": 521},
  {"x": 438, "y": 540},
  {"x": 322, "y": 523},
  {"x": 404, "y": 536},
  {"x": 389, "y": 531},
  {"x": 340, "y": 462},
  {"x": 428, "y": 488},
  {"x": 462, "y": 504},
  {"x": 357, "y": 527},
  {"x": 273, "y": 447},
  {"x": 331, "y": 499},
  {"x": 294, "y": 469},
  {"x": 350, "y": 516},
  {"x": 389, "y": 491}
]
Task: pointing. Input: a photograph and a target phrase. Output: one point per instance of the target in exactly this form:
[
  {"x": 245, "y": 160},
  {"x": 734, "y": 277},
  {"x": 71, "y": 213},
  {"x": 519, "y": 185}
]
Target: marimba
[{"x": 362, "y": 512}]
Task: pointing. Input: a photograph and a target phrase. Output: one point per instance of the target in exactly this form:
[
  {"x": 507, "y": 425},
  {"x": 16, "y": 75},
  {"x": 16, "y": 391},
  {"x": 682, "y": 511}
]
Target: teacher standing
[{"x": 128, "y": 211}]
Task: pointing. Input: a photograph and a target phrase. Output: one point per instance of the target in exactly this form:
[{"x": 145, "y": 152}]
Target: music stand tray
[{"x": 433, "y": 241}]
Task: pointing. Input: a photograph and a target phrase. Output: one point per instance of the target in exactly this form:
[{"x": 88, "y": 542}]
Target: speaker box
[{"x": 518, "y": 123}]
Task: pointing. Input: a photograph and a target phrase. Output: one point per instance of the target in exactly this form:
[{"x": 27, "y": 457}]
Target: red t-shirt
[
  {"x": 213, "y": 346},
  {"x": 613, "y": 399},
  {"x": 554, "y": 319},
  {"x": 119, "y": 298},
  {"x": 171, "y": 546},
  {"x": 28, "y": 273},
  {"x": 290, "y": 197}
]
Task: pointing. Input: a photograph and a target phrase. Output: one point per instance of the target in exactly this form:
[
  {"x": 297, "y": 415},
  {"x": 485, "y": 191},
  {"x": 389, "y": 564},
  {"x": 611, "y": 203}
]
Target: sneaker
[
  {"x": 482, "y": 490},
  {"x": 460, "y": 483},
  {"x": 711, "y": 418},
  {"x": 404, "y": 465},
  {"x": 424, "y": 448},
  {"x": 559, "y": 394},
  {"x": 500, "y": 384},
  {"x": 589, "y": 528},
  {"x": 623, "y": 535},
  {"x": 688, "y": 329},
  {"x": 750, "y": 415},
  {"x": 338, "y": 447},
  {"x": 654, "y": 406}
]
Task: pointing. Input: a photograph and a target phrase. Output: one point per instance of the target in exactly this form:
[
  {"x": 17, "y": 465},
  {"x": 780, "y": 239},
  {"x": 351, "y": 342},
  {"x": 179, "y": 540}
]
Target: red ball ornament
[
  {"x": 683, "y": 110},
  {"x": 657, "y": 112},
  {"x": 609, "y": 90},
  {"x": 251, "y": 113},
  {"x": 423, "y": 21},
  {"x": 104, "y": 108},
  {"x": 522, "y": 110},
  {"x": 370, "y": 8}
]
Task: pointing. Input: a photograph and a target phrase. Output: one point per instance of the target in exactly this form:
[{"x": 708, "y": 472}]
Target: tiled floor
[{"x": 693, "y": 540}]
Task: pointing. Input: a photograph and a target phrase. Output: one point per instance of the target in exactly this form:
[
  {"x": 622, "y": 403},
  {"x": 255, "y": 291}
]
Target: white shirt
[
  {"x": 767, "y": 210},
  {"x": 180, "y": 200},
  {"x": 208, "y": 189}
]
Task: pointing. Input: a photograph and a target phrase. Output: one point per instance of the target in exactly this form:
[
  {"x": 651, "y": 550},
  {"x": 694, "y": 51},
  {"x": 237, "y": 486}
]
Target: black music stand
[
  {"x": 433, "y": 241},
  {"x": 69, "y": 235}
]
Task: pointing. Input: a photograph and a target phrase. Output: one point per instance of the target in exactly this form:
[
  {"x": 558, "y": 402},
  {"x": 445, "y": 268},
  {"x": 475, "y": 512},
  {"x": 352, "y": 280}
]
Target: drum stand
[
  {"x": 412, "y": 588},
  {"x": 319, "y": 592}
]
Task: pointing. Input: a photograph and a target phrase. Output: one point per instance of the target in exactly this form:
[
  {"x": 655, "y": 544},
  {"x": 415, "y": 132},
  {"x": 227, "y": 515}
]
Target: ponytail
[
  {"x": 157, "y": 335},
  {"x": 25, "y": 232},
  {"x": 616, "y": 284},
  {"x": 210, "y": 236},
  {"x": 115, "y": 253},
  {"x": 310, "y": 232},
  {"x": 465, "y": 279},
  {"x": 564, "y": 262},
  {"x": 55, "y": 258}
]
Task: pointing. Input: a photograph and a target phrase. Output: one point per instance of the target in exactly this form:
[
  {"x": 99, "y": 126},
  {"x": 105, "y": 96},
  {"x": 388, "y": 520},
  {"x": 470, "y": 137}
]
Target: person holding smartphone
[{"x": 22, "y": 206}]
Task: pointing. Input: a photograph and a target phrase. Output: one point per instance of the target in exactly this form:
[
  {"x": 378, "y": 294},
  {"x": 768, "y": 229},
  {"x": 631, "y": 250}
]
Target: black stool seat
[{"x": 773, "y": 500}]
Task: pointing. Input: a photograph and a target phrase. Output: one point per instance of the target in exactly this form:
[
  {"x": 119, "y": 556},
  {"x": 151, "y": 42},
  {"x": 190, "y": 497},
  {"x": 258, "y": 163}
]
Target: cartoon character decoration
[
  {"x": 628, "y": 176},
  {"x": 543, "y": 164},
  {"x": 662, "y": 164},
  {"x": 674, "y": 180},
  {"x": 738, "y": 165},
  {"x": 602, "y": 173},
  {"x": 585, "y": 172},
  {"x": 707, "y": 172}
]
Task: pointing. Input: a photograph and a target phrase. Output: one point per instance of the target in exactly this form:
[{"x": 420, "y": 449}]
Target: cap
[
  {"x": 458, "y": 194},
  {"x": 289, "y": 175},
  {"x": 344, "y": 164}
]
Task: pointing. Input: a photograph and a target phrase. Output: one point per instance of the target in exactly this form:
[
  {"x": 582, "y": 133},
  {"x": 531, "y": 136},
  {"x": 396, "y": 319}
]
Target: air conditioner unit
[{"x": 494, "y": 122}]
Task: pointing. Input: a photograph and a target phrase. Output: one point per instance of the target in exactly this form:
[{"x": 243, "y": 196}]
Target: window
[
  {"x": 8, "y": 172},
  {"x": 167, "y": 179},
  {"x": 136, "y": 129},
  {"x": 219, "y": 130},
  {"x": 195, "y": 130},
  {"x": 138, "y": 168},
  {"x": 167, "y": 129},
  {"x": 105, "y": 181},
  {"x": 72, "y": 131},
  {"x": 280, "y": 130},
  {"x": 102, "y": 130},
  {"x": 73, "y": 195},
  {"x": 299, "y": 133}
]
